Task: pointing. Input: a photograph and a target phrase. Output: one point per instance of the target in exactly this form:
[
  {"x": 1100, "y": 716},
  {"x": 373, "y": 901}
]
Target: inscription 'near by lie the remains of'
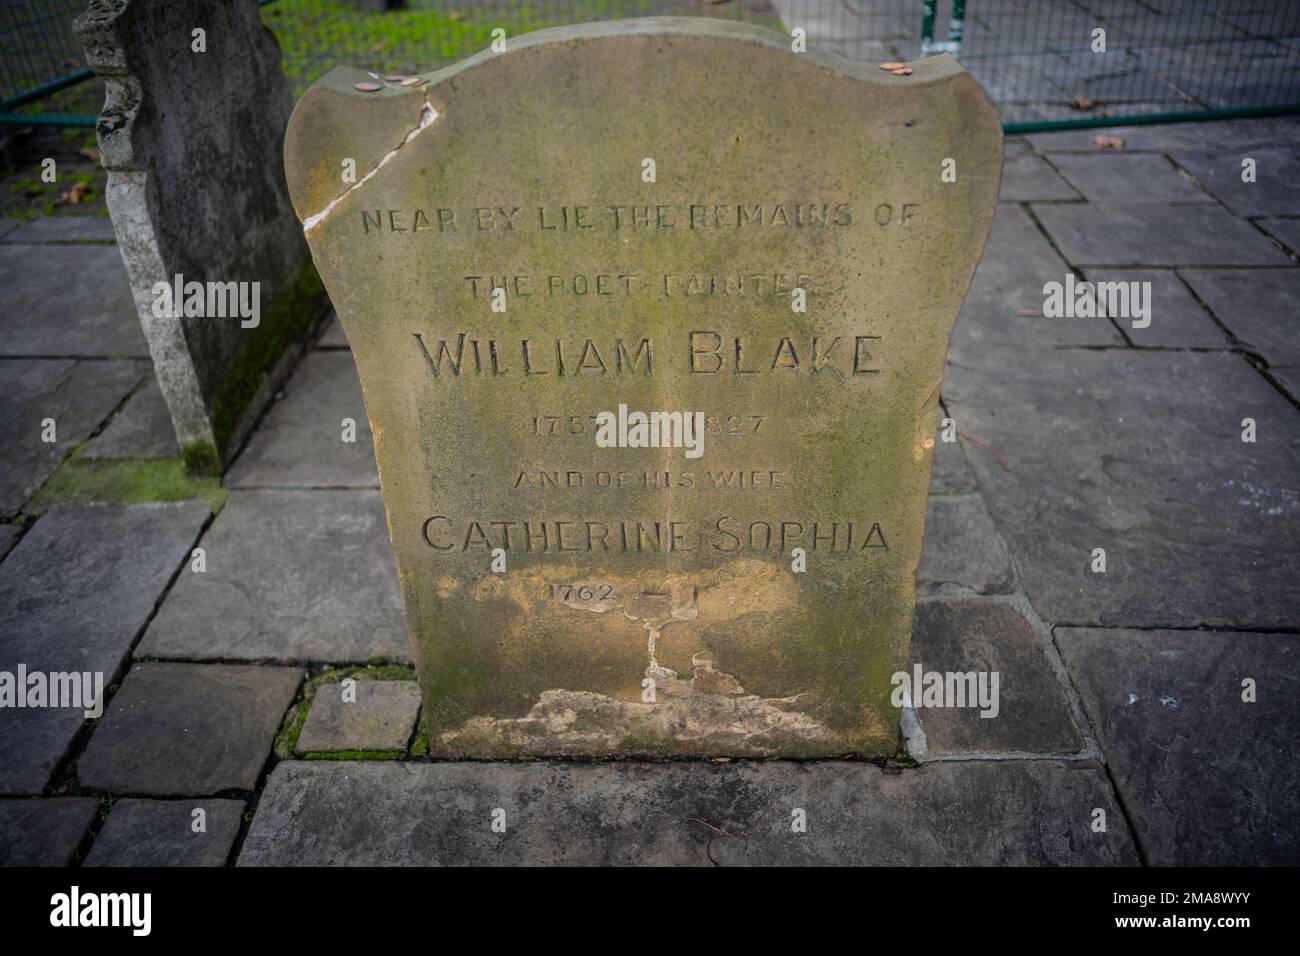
[{"x": 622, "y": 217}]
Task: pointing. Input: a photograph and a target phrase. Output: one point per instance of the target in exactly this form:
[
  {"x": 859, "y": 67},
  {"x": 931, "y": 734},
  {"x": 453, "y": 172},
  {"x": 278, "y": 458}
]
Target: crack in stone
[{"x": 427, "y": 115}]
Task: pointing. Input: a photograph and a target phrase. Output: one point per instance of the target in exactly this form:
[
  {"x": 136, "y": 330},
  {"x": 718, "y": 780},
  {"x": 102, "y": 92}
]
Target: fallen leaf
[
  {"x": 1082, "y": 103},
  {"x": 1107, "y": 142},
  {"x": 73, "y": 195}
]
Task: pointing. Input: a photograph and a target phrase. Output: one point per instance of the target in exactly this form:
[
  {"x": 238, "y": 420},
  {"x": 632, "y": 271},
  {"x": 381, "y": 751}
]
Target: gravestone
[
  {"x": 191, "y": 135},
  {"x": 603, "y": 423}
]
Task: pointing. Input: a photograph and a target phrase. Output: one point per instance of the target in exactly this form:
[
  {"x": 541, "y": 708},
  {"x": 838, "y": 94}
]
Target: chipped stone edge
[{"x": 427, "y": 116}]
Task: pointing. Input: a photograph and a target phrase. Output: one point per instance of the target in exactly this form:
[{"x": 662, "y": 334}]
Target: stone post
[{"x": 191, "y": 135}]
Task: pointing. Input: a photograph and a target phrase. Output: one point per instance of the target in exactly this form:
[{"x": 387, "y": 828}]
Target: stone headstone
[
  {"x": 191, "y": 135},
  {"x": 520, "y": 287}
]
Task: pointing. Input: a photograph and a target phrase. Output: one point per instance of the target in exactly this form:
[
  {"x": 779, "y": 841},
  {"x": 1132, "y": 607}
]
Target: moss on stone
[
  {"x": 286, "y": 324},
  {"x": 124, "y": 481},
  {"x": 201, "y": 458}
]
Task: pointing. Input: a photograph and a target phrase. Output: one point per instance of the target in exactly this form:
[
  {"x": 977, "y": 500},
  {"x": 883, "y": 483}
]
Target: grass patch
[{"x": 126, "y": 481}]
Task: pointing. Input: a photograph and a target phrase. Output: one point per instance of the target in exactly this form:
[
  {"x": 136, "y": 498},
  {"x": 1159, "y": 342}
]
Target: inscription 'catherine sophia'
[{"x": 706, "y": 353}]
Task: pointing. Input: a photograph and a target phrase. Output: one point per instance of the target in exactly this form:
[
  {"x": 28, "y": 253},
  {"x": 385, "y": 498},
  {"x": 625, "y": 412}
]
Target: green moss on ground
[{"x": 126, "y": 481}]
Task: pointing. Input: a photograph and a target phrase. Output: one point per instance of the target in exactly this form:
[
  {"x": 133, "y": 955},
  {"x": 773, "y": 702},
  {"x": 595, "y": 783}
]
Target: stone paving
[
  {"x": 1121, "y": 691},
  {"x": 1036, "y": 60}
]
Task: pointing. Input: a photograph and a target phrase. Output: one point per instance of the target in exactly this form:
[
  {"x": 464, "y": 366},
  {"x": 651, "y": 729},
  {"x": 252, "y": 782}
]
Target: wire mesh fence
[
  {"x": 42, "y": 71},
  {"x": 1047, "y": 62}
]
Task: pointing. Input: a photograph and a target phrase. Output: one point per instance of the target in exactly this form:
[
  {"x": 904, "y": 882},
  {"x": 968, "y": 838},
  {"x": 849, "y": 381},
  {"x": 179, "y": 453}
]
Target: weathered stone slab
[
  {"x": 89, "y": 315},
  {"x": 1177, "y": 137},
  {"x": 333, "y": 337},
  {"x": 1290, "y": 379},
  {"x": 188, "y": 729},
  {"x": 77, "y": 395},
  {"x": 1157, "y": 235},
  {"x": 1274, "y": 191},
  {"x": 73, "y": 596},
  {"x": 1027, "y": 714},
  {"x": 162, "y": 833},
  {"x": 142, "y": 430},
  {"x": 43, "y": 832},
  {"x": 963, "y": 553},
  {"x": 291, "y": 576},
  {"x": 950, "y": 474},
  {"x": 1128, "y": 178},
  {"x": 672, "y": 295},
  {"x": 1286, "y": 231},
  {"x": 1177, "y": 319},
  {"x": 1030, "y": 178},
  {"x": 1261, "y": 307},
  {"x": 66, "y": 229},
  {"x": 1003, "y": 309},
  {"x": 1207, "y": 778},
  {"x": 9, "y": 537},
  {"x": 381, "y": 717},
  {"x": 1003, "y": 813},
  {"x": 301, "y": 442},
  {"x": 192, "y": 142},
  {"x": 1173, "y": 495}
]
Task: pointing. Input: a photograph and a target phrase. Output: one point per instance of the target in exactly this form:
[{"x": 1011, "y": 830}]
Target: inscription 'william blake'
[{"x": 706, "y": 352}]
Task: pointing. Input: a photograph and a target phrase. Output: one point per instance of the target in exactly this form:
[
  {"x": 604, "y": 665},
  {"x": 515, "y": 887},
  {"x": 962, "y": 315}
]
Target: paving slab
[
  {"x": 1177, "y": 319},
  {"x": 1031, "y": 178},
  {"x": 1018, "y": 261},
  {"x": 9, "y": 534},
  {"x": 1176, "y": 137},
  {"x": 382, "y": 717},
  {"x": 1128, "y": 177},
  {"x": 1290, "y": 379},
  {"x": 1156, "y": 235},
  {"x": 1285, "y": 231},
  {"x": 962, "y": 552},
  {"x": 950, "y": 473},
  {"x": 985, "y": 636},
  {"x": 188, "y": 729},
  {"x": 77, "y": 395},
  {"x": 1139, "y": 453},
  {"x": 1261, "y": 307},
  {"x": 64, "y": 229},
  {"x": 43, "y": 832},
  {"x": 87, "y": 313},
  {"x": 333, "y": 337},
  {"x": 143, "y": 429},
  {"x": 300, "y": 442},
  {"x": 1207, "y": 778},
  {"x": 162, "y": 833},
  {"x": 74, "y": 595},
  {"x": 291, "y": 576},
  {"x": 992, "y": 813},
  {"x": 1275, "y": 191}
]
